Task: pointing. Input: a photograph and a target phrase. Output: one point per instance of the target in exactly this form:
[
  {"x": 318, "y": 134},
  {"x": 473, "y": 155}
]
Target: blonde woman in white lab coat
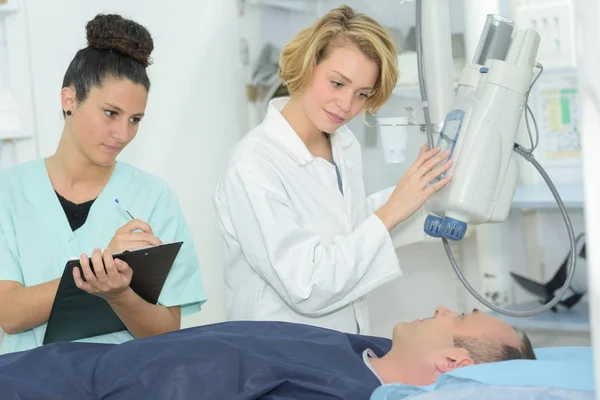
[{"x": 303, "y": 242}]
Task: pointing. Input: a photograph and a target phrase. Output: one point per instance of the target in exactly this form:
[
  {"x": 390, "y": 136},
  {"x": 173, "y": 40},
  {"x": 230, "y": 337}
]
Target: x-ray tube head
[
  {"x": 495, "y": 39},
  {"x": 480, "y": 131}
]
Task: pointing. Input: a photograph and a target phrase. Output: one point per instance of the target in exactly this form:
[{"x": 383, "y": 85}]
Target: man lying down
[{"x": 267, "y": 360}]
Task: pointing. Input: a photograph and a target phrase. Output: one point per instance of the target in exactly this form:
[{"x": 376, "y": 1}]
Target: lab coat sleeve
[
  {"x": 312, "y": 277},
  {"x": 408, "y": 231},
  {"x": 184, "y": 286},
  {"x": 10, "y": 270}
]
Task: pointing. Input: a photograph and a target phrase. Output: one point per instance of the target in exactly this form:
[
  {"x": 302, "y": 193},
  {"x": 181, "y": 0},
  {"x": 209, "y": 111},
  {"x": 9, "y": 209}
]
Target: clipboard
[{"x": 77, "y": 314}]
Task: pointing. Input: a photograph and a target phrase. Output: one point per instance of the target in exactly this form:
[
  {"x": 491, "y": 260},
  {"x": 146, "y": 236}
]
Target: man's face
[{"x": 433, "y": 338}]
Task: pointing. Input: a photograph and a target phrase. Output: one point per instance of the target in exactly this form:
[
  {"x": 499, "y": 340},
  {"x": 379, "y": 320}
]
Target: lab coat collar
[{"x": 279, "y": 130}]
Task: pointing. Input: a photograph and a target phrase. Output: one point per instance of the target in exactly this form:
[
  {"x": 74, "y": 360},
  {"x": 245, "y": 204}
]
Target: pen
[{"x": 123, "y": 208}]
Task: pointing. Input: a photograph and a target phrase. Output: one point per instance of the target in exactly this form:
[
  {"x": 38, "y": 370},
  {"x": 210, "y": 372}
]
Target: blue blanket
[{"x": 233, "y": 360}]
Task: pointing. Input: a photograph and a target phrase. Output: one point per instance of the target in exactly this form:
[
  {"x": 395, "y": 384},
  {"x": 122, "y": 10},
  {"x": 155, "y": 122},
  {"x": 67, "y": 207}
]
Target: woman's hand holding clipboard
[
  {"x": 78, "y": 314},
  {"x": 105, "y": 276}
]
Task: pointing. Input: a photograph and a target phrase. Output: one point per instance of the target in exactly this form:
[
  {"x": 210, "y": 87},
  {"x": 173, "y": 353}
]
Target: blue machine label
[{"x": 449, "y": 134}]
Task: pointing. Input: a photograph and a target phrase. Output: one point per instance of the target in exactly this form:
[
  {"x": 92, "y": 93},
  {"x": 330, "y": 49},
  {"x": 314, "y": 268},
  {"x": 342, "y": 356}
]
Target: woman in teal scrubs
[{"x": 64, "y": 206}]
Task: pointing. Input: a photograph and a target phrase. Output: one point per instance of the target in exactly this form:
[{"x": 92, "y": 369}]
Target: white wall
[
  {"x": 17, "y": 77},
  {"x": 196, "y": 109}
]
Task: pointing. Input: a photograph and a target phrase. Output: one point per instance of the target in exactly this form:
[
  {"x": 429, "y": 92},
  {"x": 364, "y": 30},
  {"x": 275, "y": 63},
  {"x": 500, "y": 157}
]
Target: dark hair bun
[{"x": 123, "y": 35}]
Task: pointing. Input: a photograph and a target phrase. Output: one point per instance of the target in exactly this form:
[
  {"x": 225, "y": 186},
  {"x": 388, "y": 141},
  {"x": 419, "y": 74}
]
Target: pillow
[
  {"x": 480, "y": 391},
  {"x": 569, "y": 368}
]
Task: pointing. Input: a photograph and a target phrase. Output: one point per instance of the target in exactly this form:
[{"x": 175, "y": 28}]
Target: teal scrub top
[{"x": 36, "y": 239}]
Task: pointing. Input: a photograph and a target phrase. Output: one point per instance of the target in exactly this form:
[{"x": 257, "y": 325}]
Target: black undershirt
[{"x": 76, "y": 213}]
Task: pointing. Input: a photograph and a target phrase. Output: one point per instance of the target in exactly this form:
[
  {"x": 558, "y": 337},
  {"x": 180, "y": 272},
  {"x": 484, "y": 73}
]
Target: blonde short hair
[{"x": 340, "y": 26}]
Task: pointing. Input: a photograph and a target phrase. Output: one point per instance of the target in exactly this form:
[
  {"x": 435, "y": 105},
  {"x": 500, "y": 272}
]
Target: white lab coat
[{"x": 298, "y": 250}]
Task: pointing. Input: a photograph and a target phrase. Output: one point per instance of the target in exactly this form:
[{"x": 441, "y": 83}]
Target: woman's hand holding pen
[
  {"x": 127, "y": 239},
  {"x": 133, "y": 235},
  {"x": 105, "y": 277},
  {"x": 109, "y": 277}
]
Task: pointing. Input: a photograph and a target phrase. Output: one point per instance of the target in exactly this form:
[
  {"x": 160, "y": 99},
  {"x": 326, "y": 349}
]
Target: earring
[{"x": 69, "y": 112}]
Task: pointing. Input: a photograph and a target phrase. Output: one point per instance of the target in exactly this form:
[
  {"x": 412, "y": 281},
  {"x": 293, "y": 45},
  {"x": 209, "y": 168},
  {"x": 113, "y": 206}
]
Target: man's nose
[{"x": 442, "y": 311}]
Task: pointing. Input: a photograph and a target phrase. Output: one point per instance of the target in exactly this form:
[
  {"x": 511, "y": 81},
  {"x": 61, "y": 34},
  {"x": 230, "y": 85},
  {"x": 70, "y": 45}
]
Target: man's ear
[{"x": 452, "y": 358}]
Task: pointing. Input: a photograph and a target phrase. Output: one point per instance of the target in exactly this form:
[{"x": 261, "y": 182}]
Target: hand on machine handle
[
  {"x": 133, "y": 235},
  {"x": 413, "y": 190}
]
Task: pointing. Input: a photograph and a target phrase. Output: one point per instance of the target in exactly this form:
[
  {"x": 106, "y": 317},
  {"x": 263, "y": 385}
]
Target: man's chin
[{"x": 402, "y": 326}]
